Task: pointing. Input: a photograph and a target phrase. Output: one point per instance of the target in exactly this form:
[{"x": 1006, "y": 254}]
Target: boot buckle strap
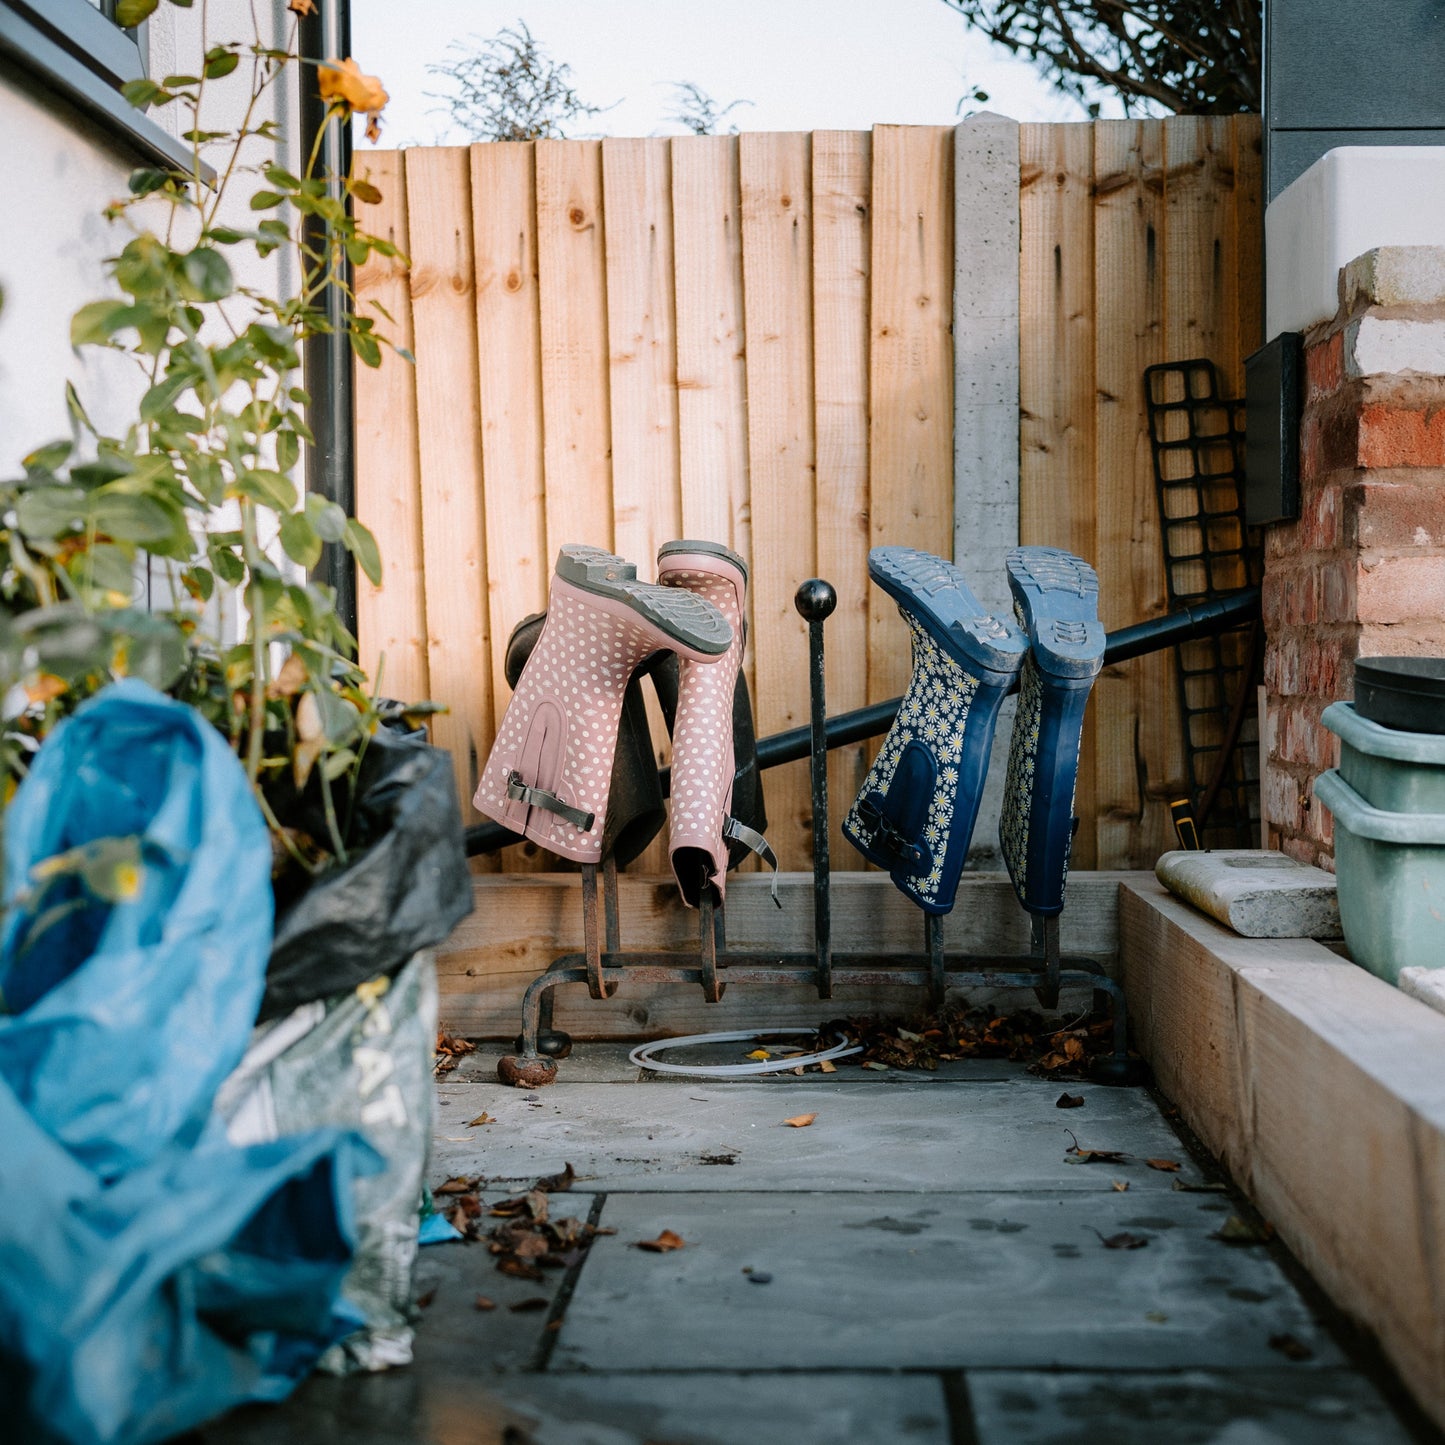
[
  {"x": 754, "y": 842},
  {"x": 887, "y": 838},
  {"x": 518, "y": 791}
]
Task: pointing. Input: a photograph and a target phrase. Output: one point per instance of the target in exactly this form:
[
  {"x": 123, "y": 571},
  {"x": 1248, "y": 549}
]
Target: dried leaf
[
  {"x": 760, "y": 1055},
  {"x": 1121, "y": 1186},
  {"x": 665, "y": 1242},
  {"x": 1238, "y": 1230},
  {"x": 483, "y": 1303},
  {"x": 827, "y": 1066},
  {"x": 1123, "y": 1240},
  {"x": 1291, "y": 1347},
  {"x": 458, "y": 1185},
  {"x": 518, "y": 1268},
  {"x": 482, "y": 1118},
  {"x": 874, "y": 1064},
  {"x": 799, "y": 1121},
  {"x": 423, "y": 1300},
  {"x": 526, "y": 1306},
  {"x": 1069, "y": 1101},
  {"x": 1079, "y": 1155},
  {"x": 1164, "y": 1166},
  {"x": 557, "y": 1183}
]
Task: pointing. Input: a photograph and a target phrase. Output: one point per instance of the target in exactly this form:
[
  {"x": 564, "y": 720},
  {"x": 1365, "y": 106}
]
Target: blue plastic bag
[{"x": 149, "y": 1279}]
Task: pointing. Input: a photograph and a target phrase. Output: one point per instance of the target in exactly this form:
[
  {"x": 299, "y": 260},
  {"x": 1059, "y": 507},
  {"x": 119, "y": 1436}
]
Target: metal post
[
  {"x": 815, "y": 601},
  {"x": 937, "y": 965}
]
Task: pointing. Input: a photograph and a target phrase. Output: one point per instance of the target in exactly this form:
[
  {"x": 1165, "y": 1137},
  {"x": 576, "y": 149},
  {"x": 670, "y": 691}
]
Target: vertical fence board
[
  {"x": 504, "y": 224},
  {"x": 712, "y": 402},
  {"x": 1058, "y": 480},
  {"x": 572, "y": 286},
  {"x": 1129, "y": 294},
  {"x": 438, "y": 194},
  {"x": 391, "y": 619},
  {"x": 910, "y": 461},
  {"x": 841, "y": 259},
  {"x": 1247, "y": 283},
  {"x": 777, "y": 290},
  {"x": 642, "y": 341}
]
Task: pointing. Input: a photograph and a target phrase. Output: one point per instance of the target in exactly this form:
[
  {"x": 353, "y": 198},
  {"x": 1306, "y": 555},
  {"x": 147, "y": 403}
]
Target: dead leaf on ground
[
  {"x": 1121, "y": 1186},
  {"x": 458, "y": 1185},
  {"x": 1123, "y": 1240},
  {"x": 482, "y": 1118},
  {"x": 525, "y": 1306},
  {"x": 449, "y": 1049},
  {"x": 1164, "y": 1166},
  {"x": 423, "y": 1300},
  {"x": 1238, "y": 1230},
  {"x": 532, "y": 1203},
  {"x": 557, "y": 1183},
  {"x": 663, "y": 1244},
  {"x": 760, "y": 1055},
  {"x": 827, "y": 1066},
  {"x": 1077, "y": 1154},
  {"x": 799, "y": 1121},
  {"x": 1185, "y": 1187},
  {"x": 1291, "y": 1347},
  {"x": 483, "y": 1303},
  {"x": 1069, "y": 1101}
]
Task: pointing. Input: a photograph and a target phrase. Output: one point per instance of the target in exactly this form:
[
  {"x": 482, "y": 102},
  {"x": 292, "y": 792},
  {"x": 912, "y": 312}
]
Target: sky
[{"x": 804, "y": 64}]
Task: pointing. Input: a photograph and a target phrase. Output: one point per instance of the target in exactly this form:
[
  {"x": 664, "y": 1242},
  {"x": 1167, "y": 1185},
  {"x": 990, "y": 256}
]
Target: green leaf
[
  {"x": 108, "y": 568},
  {"x": 266, "y": 200},
  {"x": 145, "y": 180},
  {"x": 366, "y": 347},
  {"x": 268, "y": 487},
  {"x": 46, "y": 512},
  {"x": 362, "y": 546},
  {"x": 97, "y": 321},
  {"x": 47, "y": 458},
  {"x": 219, "y": 64},
  {"x": 227, "y": 565},
  {"x": 365, "y": 191},
  {"x": 130, "y": 13},
  {"x": 177, "y": 82},
  {"x": 225, "y": 236},
  {"x": 76, "y": 409},
  {"x": 129, "y": 518},
  {"x": 299, "y": 539},
  {"x": 279, "y": 176},
  {"x": 328, "y": 519},
  {"x": 200, "y": 582},
  {"x": 288, "y": 451},
  {"x": 140, "y": 93},
  {"x": 338, "y": 764},
  {"x": 208, "y": 274},
  {"x": 340, "y": 721}
]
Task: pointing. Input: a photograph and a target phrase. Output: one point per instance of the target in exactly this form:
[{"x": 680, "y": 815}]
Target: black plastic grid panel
[{"x": 1197, "y": 443}]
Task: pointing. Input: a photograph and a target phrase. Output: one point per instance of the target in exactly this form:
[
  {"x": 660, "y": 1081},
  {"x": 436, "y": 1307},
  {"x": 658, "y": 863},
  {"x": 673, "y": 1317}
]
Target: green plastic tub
[
  {"x": 1398, "y": 771},
  {"x": 1390, "y": 872}
]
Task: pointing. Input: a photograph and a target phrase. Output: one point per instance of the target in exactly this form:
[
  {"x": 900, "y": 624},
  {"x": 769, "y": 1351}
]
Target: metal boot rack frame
[{"x": 603, "y": 964}]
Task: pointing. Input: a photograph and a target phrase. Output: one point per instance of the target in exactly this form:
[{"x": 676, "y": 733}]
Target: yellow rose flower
[{"x": 343, "y": 84}]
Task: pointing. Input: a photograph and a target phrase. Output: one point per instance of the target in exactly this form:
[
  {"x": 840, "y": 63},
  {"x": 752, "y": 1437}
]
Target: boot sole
[
  {"x": 672, "y": 610},
  {"x": 938, "y": 595},
  {"x": 706, "y": 549},
  {"x": 1057, "y": 596}
]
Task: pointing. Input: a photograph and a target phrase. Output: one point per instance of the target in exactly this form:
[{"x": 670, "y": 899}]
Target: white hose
[{"x": 642, "y": 1055}]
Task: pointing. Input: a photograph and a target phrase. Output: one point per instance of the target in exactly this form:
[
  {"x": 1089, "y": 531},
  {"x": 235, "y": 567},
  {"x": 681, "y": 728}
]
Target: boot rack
[{"x": 603, "y": 965}]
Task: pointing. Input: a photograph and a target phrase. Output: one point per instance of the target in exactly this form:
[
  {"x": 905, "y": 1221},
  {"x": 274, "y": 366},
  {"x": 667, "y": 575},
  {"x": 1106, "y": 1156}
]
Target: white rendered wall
[{"x": 1352, "y": 200}]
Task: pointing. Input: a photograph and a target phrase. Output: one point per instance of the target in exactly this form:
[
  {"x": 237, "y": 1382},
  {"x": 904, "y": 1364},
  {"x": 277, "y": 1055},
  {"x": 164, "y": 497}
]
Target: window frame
[{"x": 74, "y": 50}]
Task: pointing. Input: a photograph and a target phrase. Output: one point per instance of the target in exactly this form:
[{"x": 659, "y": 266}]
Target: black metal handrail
[{"x": 1202, "y": 619}]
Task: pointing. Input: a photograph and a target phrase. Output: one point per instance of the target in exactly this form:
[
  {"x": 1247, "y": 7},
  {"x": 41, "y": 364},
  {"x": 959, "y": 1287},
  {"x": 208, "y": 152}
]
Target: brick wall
[{"x": 1362, "y": 572}]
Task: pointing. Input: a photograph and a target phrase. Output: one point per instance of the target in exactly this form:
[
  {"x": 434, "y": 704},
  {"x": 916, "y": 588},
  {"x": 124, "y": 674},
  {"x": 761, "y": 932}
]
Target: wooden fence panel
[
  {"x": 450, "y": 446},
  {"x": 391, "y": 618},
  {"x": 777, "y": 290},
  {"x": 748, "y": 339},
  {"x": 910, "y": 461}
]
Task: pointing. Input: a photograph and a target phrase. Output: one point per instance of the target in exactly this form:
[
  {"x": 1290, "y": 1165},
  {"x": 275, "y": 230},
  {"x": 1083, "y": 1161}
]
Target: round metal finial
[{"x": 815, "y": 599}]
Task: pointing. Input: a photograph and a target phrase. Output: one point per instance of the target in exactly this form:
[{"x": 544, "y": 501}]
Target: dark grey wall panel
[{"x": 1349, "y": 72}]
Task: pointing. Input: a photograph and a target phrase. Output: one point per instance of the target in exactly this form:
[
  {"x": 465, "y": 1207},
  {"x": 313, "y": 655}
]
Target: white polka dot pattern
[
  {"x": 703, "y": 765},
  {"x": 560, "y": 728}
]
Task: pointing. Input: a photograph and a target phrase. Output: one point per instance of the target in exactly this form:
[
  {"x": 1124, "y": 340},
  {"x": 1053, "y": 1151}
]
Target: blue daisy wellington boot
[
  {"x": 1056, "y": 598},
  {"x": 919, "y": 802}
]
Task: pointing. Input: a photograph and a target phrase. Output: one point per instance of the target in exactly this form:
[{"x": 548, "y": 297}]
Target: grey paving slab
[
  {"x": 897, "y": 1136},
  {"x": 1285, "y": 1406},
  {"x": 731, "y": 1409},
  {"x": 894, "y": 1280}
]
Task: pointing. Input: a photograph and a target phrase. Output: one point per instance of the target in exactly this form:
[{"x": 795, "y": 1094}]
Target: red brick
[
  {"x": 1319, "y": 523},
  {"x": 1325, "y": 366},
  {"x": 1390, "y": 435},
  {"x": 1401, "y": 588},
  {"x": 1402, "y": 639},
  {"x": 1338, "y": 591},
  {"x": 1388, "y": 514}
]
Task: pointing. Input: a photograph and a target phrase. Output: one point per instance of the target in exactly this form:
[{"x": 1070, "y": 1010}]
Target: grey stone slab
[
  {"x": 1257, "y": 892},
  {"x": 1285, "y": 1406},
  {"x": 731, "y": 1409},
  {"x": 895, "y": 1136},
  {"x": 945, "y": 1281}
]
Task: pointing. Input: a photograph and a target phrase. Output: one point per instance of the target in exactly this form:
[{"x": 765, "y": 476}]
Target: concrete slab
[
  {"x": 1257, "y": 892},
  {"x": 725, "y": 1409},
  {"x": 1285, "y": 1406},
  {"x": 894, "y": 1136},
  {"x": 961, "y": 1280}
]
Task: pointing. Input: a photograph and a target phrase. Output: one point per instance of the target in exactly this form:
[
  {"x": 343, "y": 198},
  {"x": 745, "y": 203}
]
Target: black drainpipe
[{"x": 326, "y": 368}]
